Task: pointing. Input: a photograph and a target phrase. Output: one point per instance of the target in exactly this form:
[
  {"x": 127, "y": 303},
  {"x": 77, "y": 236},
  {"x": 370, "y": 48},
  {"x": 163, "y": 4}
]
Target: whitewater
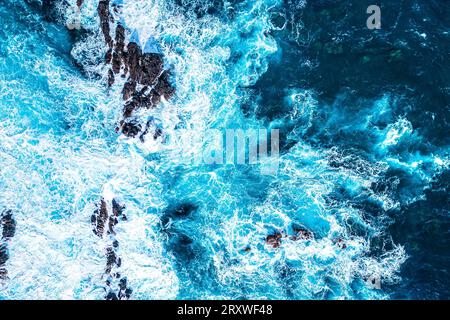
[{"x": 191, "y": 231}]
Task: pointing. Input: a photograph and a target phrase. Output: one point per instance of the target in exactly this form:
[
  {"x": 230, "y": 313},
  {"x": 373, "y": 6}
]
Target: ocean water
[{"x": 364, "y": 151}]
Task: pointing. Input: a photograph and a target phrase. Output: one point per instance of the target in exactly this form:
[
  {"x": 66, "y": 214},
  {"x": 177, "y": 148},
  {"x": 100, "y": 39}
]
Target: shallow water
[{"x": 364, "y": 161}]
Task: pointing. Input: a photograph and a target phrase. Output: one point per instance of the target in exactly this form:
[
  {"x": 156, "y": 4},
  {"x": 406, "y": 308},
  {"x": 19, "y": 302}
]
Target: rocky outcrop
[
  {"x": 3, "y": 258},
  {"x": 299, "y": 233},
  {"x": 8, "y": 225},
  {"x": 105, "y": 20},
  {"x": 274, "y": 240},
  {"x": 8, "y": 230},
  {"x": 105, "y": 218},
  {"x": 181, "y": 211},
  {"x": 148, "y": 82},
  {"x": 49, "y": 10}
]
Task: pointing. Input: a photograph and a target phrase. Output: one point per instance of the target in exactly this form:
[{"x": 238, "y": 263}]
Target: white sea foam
[{"x": 60, "y": 178}]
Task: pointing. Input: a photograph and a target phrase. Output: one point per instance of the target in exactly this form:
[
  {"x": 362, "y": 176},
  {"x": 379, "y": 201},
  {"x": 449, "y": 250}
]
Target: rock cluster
[
  {"x": 147, "y": 80},
  {"x": 299, "y": 233},
  {"x": 8, "y": 230},
  {"x": 103, "y": 224}
]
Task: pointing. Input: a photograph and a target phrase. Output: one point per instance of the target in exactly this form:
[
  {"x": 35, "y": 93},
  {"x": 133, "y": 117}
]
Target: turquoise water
[{"x": 359, "y": 163}]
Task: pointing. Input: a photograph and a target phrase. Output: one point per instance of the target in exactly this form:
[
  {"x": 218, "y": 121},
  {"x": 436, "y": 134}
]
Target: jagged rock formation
[
  {"x": 48, "y": 7},
  {"x": 3, "y": 258},
  {"x": 274, "y": 240},
  {"x": 104, "y": 223},
  {"x": 147, "y": 80},
  {"x": 299, "y": 234},
  {"x": 8, "y": 228}
]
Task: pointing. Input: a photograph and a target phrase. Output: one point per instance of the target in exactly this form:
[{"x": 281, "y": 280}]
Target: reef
[
  {"x": 8, "y": 227},
  {"x": 148, "y": 82},
  {"x": 104, "y": 219}
]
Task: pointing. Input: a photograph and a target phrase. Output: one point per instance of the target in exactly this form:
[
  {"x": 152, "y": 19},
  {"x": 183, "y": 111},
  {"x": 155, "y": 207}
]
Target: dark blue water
[
  {"x": 364, "y": 165},
  {"x": 406, "y": 63}
]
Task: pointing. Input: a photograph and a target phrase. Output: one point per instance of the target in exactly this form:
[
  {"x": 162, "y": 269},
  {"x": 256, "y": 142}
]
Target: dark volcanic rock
[
  {"x": 131, "y": 128},
  {"x": 111, "y": 78},
  {"x": 274, "y": 240},
  {"x": 108, "y": 55},
  {"x": 118, "y": 209},
  {"x": 134, "y": 57},
  {"x": 3, "y": 258},
  {"x": 158, "y": 133},
  {"x": 114, "y": 218},
  {"x": 99, "y": 219},
  {"x": 124, "y": 291},
  {"x": 8, "y": 227},
  {"x": 147, "y": 98},
  {"x": 105, "y": 18},
  {"x": 118, "y": 54},
  {"x": 49, "y": 10},
  {"x": 111, "y": 296},
  {"x": 151, "y": 127},
  {"x": 147, "y": 83},
  {"x": 113, "y": 261},
  {"x": 128, "y": 90},
  {"x": 3, "y": 254},
  {"x": 8, "y": 224},
  {"x": 301, "y": 234},
  {"x": 151, "y": 68}
]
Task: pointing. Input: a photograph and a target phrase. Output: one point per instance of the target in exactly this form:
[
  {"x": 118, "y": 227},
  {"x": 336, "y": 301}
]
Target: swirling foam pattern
[{"x": 345, "y": 174}]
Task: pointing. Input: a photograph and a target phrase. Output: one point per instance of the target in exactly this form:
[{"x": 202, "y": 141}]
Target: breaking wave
[{"x": 196, "y": 232}]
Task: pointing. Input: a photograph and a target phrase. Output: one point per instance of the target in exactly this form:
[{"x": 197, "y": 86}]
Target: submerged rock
[
  {"x": 151, "y": 127},
  {"x": 301, "y": 234},
  {"x": 117, "y": 213},
  {"x": 99, "y": 219}
]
